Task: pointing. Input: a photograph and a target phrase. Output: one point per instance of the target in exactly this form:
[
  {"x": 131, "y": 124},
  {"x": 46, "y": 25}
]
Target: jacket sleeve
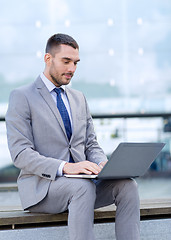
[
  {"x": 93, "y": 151},
  {"x": 21, "y": 141}
]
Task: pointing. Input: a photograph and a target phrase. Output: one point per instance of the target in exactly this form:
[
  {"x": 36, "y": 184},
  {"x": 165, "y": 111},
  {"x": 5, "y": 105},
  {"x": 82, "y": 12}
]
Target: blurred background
[{"x": 124, "y": 72}]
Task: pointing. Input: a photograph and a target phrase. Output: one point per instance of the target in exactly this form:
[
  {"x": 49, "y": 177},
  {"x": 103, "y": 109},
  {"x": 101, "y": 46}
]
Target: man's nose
[{"x": 72, "y": 67}]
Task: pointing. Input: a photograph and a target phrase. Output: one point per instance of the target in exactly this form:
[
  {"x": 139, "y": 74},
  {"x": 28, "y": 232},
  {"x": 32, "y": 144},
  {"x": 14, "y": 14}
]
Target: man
[{"x": 46, "y": 142}]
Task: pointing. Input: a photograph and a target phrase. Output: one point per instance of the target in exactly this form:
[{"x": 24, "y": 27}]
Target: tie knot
[{"x": 58, "y": 90}]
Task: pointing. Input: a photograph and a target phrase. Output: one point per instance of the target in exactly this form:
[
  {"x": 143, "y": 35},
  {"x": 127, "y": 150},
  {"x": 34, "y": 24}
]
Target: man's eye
[{"x": 66, "y": 62}]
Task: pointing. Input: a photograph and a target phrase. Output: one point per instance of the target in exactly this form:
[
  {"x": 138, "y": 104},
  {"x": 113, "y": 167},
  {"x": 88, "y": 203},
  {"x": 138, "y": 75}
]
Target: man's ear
[{"x": 47, "y": 58}]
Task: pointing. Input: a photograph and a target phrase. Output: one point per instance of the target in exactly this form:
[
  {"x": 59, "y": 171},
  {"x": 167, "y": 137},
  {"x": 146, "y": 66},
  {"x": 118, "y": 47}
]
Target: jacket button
[
  {"x": 46, "y": 175},
  {"x": 69, "y": 146}
]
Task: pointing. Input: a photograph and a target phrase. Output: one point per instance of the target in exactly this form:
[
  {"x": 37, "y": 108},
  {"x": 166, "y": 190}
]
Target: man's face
[{"x": 60, "y": 68}]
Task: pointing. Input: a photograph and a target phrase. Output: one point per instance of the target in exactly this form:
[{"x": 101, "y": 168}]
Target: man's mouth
[{"x": 68, "y": 75}]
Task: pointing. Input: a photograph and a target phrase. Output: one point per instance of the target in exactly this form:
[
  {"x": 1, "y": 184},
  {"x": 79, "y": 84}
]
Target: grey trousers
[{"x": 81, "y": 196}]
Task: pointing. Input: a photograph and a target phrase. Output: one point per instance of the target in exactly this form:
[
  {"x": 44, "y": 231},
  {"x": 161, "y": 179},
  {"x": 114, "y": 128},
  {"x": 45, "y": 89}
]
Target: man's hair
[{"x": 57, "y": 39}]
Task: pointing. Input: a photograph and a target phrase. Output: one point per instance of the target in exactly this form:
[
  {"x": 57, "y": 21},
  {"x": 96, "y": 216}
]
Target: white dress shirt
[{"x": 50, "y": 86}]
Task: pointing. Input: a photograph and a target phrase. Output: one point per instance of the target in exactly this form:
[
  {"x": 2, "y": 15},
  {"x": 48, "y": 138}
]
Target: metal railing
[
  {"x": 132, "y": 115},
  {"x": 123, "y": 115}
]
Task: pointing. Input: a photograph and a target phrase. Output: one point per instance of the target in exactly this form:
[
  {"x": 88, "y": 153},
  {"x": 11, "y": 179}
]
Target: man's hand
[
  {"x": 85, "y": 167},
  {"x": 102, "y": 164}
]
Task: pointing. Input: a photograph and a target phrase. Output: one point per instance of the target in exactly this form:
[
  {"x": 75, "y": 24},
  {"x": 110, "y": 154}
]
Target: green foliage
[
  {"x": 95, "y": 90},
  {"x": 6, "y": 87}
]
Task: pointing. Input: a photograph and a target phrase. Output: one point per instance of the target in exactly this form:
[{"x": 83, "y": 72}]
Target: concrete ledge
[
  {"x": 8, "y": 187},
  {"x": 15, "y": 217}
]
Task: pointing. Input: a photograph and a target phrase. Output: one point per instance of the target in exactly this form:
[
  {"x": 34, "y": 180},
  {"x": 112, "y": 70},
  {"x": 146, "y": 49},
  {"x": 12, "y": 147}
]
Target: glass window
[{"x": 124, "y": 49}]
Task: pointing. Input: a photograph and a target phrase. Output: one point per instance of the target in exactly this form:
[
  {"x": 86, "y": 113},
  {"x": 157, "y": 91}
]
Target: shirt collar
[{"x": 50, "y": 86}]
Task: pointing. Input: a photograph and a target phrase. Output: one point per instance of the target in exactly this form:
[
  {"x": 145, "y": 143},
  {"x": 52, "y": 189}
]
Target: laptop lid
[{"x": 130, "y": 160}]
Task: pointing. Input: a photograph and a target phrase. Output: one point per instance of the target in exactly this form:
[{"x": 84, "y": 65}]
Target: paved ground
[{"x": 150, "y": 230}]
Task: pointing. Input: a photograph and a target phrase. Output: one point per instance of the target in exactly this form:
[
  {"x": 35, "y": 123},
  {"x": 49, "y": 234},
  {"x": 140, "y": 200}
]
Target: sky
[{"x": 124, "y": 44}]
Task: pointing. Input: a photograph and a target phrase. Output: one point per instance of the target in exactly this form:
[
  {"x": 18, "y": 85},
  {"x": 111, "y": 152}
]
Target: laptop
[{"x": 129, "y": 160}]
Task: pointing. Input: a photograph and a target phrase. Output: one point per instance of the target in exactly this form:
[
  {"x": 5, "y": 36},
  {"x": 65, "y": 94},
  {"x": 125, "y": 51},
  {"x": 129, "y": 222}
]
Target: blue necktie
[{"x": 64, "y": 114}]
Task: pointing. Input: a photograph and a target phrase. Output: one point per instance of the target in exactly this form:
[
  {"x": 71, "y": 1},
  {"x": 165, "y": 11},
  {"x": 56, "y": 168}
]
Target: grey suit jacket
[{"x": 38, "y": 142}]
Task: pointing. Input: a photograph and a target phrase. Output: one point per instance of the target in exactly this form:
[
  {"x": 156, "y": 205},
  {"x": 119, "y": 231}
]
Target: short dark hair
[{"x": 57, "y": 39}]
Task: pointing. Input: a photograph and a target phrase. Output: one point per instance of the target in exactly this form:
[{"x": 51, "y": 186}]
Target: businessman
[{"x": 50, "y": 133}]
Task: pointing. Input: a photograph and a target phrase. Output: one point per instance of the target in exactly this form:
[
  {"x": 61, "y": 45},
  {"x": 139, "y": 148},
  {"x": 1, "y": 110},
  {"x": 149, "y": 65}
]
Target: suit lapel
[
  {"x": 73, "y": 108},
  {"x": 50, "y": 102}
]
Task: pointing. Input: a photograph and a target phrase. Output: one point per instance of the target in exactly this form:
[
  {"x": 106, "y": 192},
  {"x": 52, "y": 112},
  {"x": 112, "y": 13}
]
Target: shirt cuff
[
  {"x": 60, "y": 169},
  {"x": 99, "y": 163}
]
